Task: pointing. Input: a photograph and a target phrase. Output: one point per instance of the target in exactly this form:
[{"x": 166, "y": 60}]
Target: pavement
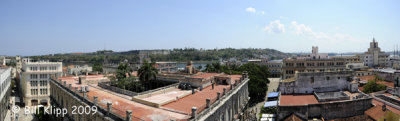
[{"x": 272, "y": 87}]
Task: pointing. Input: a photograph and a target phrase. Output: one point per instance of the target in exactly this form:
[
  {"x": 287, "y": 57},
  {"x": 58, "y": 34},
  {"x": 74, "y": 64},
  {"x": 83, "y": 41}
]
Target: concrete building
[
  {"x": 275, "y": 68},
  {"x": 5, "y": 91},
  {"x": 2, "y": 60},
  {"x": 291, "y": 66},
  {"x": 34, "y": 81},
  {"x": 315, "y": 62},
  {"x": 321, "y": 95},
  {"x": 310, "y": 82},
  {"x": 217, "y": 102},
  {"x": 77, "y": 69},
  {"x": 374, "y": 57}
]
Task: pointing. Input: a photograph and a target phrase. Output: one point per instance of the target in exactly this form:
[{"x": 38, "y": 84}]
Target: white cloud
[
  {"x": 262, "y": 12},
  {"x": 250, "y": 9},
  {"x": 275, "y": 27},
  {"x": 304, "y": 30}
]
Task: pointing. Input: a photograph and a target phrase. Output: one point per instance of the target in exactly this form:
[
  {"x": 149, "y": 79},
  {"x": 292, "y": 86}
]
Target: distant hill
[{"x": 179, "y": 54}]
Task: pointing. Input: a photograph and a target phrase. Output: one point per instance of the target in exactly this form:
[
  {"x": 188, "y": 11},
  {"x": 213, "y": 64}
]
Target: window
[
  {"x": 43, "y": 91},
  {"x": 327, "y": 78},
  {"x": 34, "y": 83},
  {"x": 43, "y": 76},
  {"x": 34, "y": 76},
  {"x": 33, "y": 68},
  {"x": 338, "y": 77},
  {"x": 34, "y": 92},
  {"x": 43, "y": 68},
  {"x": 43, "y": 82}
]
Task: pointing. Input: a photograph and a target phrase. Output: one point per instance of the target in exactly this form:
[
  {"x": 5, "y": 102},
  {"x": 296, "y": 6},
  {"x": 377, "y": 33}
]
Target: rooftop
[
  {"x": 202, "y": 75},
  {"x": 122, "y": 103},
  {"x": 287, "y": 100},
  {"x": 198, "y": 99}
]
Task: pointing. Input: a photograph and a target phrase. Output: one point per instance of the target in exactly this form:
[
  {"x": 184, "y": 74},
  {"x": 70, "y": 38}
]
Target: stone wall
[
  {"x": 229, "y": 105},
  {"x": 106, "y": 85},
  {"x": 63, "y": 97},
  {"x": 310, "y": 82},
  {"x": 332, "y": 110}
]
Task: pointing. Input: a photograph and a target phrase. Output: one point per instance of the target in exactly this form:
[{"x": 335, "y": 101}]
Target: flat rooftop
[
  {"x": 179, "y": 109},
  {"x": 204, "y": 75},
  {"x": 287, "y": 100},
  {"x": 198, "y": 99},
  {"x": 120, "y": 103},
  {"x": 167, "y": 96}
]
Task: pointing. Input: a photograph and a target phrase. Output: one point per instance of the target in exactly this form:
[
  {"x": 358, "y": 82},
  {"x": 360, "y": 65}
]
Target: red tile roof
[
  {"x": 297, "y": 99},
  {"x": 375, "y": 112}
]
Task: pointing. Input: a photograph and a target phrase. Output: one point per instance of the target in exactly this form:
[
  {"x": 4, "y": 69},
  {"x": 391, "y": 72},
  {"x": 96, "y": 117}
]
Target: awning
[
  {"x": 270, "y": 104},
  {"x": 273, "y": 94}
]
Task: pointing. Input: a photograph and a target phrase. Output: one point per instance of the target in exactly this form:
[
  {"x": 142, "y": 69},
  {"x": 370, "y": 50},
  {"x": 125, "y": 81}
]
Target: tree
[
  {"x": 122, "y": 76},
  {"x": 258, "y": 84},
  {"x": 98, "y": 67},
  {"x": 147, "y": 72},
  {"x": 372, "y": 86}
]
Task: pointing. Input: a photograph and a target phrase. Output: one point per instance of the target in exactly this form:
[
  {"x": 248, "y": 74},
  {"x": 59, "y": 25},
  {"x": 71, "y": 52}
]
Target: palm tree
[{"x": 147, "y": 72}]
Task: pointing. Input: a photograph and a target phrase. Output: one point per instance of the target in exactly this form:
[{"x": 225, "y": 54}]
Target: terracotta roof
[
  {"x": 198, "y": 99},
  {"x": 204, "y": 75},
  {"x": 378, "y": 103},
  {"x": 121, "y": 104},
  {"x": 375, "y": 112},
  {"x": 297, "y": 99},
  {"x": 293, "y": 118}
]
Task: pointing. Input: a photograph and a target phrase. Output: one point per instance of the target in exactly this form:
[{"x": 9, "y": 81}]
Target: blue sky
[{"x": 34, "y": 27}]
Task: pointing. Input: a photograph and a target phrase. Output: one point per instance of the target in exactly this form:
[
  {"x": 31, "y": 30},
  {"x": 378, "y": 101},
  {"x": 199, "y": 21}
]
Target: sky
[{"x": 37, "y": 27}]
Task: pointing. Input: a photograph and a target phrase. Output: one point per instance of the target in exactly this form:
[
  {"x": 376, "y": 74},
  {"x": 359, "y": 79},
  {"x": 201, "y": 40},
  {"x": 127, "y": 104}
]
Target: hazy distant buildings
[
  {"x": 34, "y": 80},
  {"x": 5, "y": 91}
]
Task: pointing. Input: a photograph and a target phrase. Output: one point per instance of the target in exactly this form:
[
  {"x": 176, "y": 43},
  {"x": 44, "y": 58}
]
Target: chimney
[
  {"x": 109, "y": 106},
  {"x": 76, "y": 89},
  {"x": 97, "y": 73},
  {"x": 87, "y": 73},
  {"x": 231, "y": 86},
  {"x": 212, "y": 85},
  {"x": 128, "y": 115},
  {"x": 194, "y": 110},
  {"x": 70, "y": 86},
  {"x": 208, "y": 102},
  {"x": 218, "y": 95},
  {"x": 65, "y": 83},
  {"x": 223, "y": 93},
  {"x": 193, "y": 91},
  {"x": 95, "y": 99},
  {"x": 384, "y": 107},
  {"x": 84, "y": 93}
]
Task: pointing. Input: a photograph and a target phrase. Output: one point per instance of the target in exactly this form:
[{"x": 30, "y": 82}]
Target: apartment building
[
  {"x": 5, "y": 91},
  {"x": 374, "y": 57},
  {"x": 315, "y": 62},
  {"x": 34, "y": 83},
  {"x": 275, "y": 68}
]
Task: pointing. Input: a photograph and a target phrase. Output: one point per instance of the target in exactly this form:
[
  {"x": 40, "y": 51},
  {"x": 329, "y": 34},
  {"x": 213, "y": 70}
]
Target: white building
[
  {"x": 77, "y": 69},
  {"x": 5, "y": 91},
  {"x": 35, "y": 81},
  {"x": 374, "y": 57}
]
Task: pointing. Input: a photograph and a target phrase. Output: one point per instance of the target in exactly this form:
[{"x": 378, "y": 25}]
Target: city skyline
[{"x": 49, "y": 27}]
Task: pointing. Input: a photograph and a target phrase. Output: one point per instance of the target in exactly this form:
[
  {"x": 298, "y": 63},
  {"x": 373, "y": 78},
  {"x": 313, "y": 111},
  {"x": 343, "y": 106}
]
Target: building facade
[
  {"x": 374, "y": 57},
  {"x": 291, "y": 66},
  {"x": 275, "y": 68},
  {"x": 34, "y": 81},
  {"x": 5, "y": 91}
]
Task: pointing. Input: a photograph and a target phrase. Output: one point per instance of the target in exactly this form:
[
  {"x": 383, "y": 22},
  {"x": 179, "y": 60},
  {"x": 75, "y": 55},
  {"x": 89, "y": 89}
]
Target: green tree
[
  {"x": 122, "y": 76},
  {"x": 98, "y": 67},
  {"x": 372, "y": 86},
  {"x": 258, "y": 84},
  {"x": 147, "y": 72}
]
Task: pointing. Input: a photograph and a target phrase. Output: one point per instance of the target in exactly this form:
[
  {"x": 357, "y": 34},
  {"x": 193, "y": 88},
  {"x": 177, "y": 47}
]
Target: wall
[
  {"x": 328, "y": 111},
  {"x": 304, "y": 84},
  {"x": 231, "y": 104},
  {"x": 63, "y": 97}
]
